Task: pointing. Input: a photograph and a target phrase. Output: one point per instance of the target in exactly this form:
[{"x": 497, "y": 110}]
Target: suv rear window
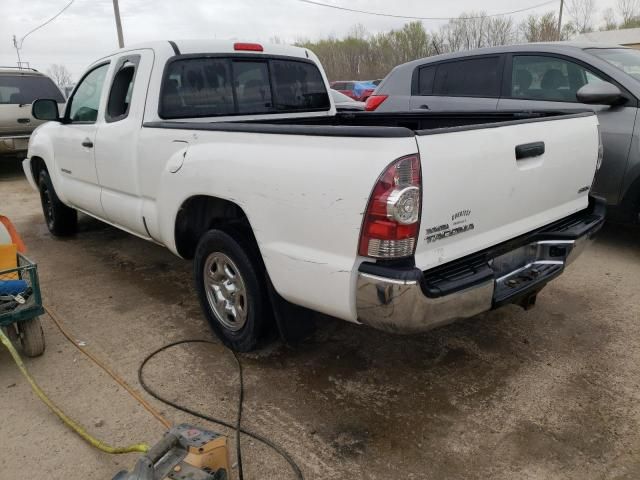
[
  {"x": 215, "y": 86},
  {"x": 24, "y": 89}
]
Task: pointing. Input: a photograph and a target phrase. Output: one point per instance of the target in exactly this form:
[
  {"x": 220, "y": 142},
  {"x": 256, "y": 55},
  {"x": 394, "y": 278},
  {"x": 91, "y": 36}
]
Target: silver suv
[
  {"x": 19, "y": 87},
  {"x": 537, "y": 76}
]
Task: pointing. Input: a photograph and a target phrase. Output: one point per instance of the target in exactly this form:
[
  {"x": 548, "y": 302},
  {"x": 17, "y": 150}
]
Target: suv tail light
[
  {"x": 374, "y": 102},
  {"x": 390, "y": 225}
]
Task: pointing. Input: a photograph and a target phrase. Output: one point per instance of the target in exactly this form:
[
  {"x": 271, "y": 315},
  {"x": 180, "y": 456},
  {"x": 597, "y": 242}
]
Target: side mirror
[
  {"x": 600, "y": 93},
  {"x": 45, "y": 109}
]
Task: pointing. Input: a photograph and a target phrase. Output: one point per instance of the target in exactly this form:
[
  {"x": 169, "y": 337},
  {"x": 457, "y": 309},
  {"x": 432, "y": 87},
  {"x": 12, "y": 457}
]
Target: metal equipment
[{"x": 185, "y": 452}]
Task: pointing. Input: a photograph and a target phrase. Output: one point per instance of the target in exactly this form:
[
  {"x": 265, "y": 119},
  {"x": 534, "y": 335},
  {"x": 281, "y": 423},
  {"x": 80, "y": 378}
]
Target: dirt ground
[{"x": 551, "y": 393}]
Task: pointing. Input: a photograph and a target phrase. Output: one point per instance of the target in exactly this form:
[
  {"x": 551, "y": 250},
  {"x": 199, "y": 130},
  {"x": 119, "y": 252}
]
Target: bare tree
[
  {"x": 609, "y": 19},
  {"x": 581, "y": 12},
  {"x": 542, "y": 28},
  {"x": 60, "y": 75},
  {"x": 500, "y": 31},
  {"x": 628, "y": 10}
]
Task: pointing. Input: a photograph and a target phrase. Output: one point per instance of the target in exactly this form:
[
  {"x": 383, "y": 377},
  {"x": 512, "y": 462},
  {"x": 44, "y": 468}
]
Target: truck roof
[{"x": 217, "y": 46}]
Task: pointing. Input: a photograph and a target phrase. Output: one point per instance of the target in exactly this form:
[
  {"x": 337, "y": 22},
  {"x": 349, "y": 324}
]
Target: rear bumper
[
  {"x": 409, "y": 300},
  {"x": 10, "y": 145}
]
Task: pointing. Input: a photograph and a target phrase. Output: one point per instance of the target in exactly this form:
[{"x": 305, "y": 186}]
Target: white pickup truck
[{"x": 233, "y": 154}]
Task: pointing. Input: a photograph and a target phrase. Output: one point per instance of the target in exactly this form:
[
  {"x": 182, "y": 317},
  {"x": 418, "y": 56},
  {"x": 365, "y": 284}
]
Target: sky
[{"x": 86, "y": 30}]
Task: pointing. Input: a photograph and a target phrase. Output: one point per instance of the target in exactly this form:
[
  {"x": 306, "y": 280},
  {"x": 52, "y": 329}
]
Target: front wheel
[
  {"x": 61, "y": 220},
  {"x": 231, "y": 289}
]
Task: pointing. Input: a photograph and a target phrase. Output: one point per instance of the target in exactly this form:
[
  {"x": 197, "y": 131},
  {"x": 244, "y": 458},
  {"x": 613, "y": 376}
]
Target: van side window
[
  {"x": 538, "y": 77},
  {"x": 474, "y": 77},
  {"x": 426, "y": 75},
  {"x": 119, "y": 99}
]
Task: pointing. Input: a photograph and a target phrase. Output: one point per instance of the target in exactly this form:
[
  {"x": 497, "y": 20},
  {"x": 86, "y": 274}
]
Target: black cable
[
  {"x": 238, "y": 427},
  {"x": 408, "y": 17}
]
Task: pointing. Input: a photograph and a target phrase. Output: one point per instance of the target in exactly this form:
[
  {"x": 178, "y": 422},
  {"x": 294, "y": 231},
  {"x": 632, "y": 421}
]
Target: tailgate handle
[{"x": 528, "y": 150}]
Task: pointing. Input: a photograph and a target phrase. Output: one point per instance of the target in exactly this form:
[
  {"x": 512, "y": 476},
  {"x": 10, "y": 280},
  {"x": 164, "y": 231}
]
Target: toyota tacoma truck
[{"x": 233, "y": 155}]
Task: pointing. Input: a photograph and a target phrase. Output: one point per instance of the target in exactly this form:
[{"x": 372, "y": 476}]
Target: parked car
[
  {"x": 232, "y": 154},
  {"x": 344, "y": 103},
  {"x": 532, "y": 77},
  {"x": 19, "y": 87},
  {"x": 357, "y": 90}
]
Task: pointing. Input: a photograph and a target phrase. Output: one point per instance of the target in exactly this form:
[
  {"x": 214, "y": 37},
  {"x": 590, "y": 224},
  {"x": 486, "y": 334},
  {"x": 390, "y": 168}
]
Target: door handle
[
  {"x": 424, "y": 107},
  {"x": 87, "y": 143},
  {"x": 528, "y": 150}
]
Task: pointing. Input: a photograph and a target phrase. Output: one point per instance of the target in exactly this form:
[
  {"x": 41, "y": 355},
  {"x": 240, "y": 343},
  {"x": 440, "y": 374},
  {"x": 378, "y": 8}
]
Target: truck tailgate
[{"x": 487, "y": 184}]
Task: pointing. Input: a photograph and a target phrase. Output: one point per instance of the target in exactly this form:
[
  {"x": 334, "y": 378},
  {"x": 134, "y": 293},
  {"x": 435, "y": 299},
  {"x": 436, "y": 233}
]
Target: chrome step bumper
[{"x": 410, "y": 301}]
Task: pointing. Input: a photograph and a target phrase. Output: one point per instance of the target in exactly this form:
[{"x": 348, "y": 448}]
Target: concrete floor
[{"x": 552, "y": 393}]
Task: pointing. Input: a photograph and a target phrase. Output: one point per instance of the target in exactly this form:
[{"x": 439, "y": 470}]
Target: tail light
[
  {"x": 374, "y": 102},
  {"x": 390, "y": 226}
]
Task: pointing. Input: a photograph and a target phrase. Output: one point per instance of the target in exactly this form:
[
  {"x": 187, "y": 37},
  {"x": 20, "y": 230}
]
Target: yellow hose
[{"x": 76, "y": 427}]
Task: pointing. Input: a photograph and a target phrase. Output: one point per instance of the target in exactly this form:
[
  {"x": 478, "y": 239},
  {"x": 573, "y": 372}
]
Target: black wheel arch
[{"x": 201, "y": 213}]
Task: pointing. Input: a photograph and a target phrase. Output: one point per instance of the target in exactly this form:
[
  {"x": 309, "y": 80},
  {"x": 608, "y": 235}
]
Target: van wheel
[
  {"x": 231, "y": 289},
  {"x": 61, "y": 220}
]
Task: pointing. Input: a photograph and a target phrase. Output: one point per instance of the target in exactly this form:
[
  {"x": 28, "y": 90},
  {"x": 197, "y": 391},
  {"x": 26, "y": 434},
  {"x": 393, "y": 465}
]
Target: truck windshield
[
  {"x": 24, "y": 89},
  {"x": 625, "y": 59},
  {"x": 215, "y": 86}
]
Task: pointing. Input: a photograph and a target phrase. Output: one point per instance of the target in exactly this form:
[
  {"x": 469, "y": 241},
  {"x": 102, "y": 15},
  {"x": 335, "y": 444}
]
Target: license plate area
[{"x": 527, "y": 267}]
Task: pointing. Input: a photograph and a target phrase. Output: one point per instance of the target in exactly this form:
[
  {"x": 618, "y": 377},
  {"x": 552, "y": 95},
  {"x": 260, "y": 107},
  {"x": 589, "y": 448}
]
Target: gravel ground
[{"x": 550, "y": 393}]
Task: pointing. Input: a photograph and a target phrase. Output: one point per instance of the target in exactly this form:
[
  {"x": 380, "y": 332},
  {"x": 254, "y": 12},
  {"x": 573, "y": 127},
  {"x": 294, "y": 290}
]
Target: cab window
[
  {"x": 119, "y": 99},
  {"x": 207, "y": 87},
  {"x": 83, "y": 106}
]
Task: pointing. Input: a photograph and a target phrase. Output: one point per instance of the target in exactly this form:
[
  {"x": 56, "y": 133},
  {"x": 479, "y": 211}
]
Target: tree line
[{"x": 363, "y": 56}]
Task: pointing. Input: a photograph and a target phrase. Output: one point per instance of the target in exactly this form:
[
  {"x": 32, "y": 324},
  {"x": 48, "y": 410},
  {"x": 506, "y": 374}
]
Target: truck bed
[{"x": 371, "y": 124}]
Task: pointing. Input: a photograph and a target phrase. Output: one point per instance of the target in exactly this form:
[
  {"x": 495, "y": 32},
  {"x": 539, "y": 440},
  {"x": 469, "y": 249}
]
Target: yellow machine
[{"x": 184, "y": 453}]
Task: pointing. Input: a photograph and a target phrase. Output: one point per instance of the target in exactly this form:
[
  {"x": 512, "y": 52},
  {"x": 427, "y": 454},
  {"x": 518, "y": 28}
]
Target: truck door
[
  {"x": 548, "y": 82},
  {"x": 117, "y": 140},
  {"x": 74, "y": 143}
]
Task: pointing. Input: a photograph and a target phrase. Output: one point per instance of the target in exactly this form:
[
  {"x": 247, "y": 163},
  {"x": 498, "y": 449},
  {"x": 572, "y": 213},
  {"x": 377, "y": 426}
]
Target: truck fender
[{"x": 41, "y": 147}]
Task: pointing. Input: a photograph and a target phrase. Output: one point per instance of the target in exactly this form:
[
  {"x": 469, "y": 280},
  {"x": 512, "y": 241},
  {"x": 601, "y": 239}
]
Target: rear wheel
[
  {"x": 61, "y": 220},
  {"x": 31, "y": 337},
  {"x": 230, "y": 283}
]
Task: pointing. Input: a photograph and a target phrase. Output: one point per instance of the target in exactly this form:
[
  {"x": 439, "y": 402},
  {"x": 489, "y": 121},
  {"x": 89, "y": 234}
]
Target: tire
[
  {"x": 230, "y": 283},
  {"x": 61, "y": 220},
  {"x": 31, "y": 337}
]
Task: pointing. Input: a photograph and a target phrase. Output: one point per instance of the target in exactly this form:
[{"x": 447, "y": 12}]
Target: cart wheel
[{"x": 31, "y": 337}]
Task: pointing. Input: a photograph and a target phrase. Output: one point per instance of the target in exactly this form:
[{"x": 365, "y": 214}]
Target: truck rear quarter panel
[{"x": 304, "y": 197}]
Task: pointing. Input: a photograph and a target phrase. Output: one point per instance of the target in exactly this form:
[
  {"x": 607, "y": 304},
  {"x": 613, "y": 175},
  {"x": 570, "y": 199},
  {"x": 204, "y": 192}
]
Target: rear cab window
[
  {"x": 195, "y": 87},
  {"x": 24, "y": 89}
]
